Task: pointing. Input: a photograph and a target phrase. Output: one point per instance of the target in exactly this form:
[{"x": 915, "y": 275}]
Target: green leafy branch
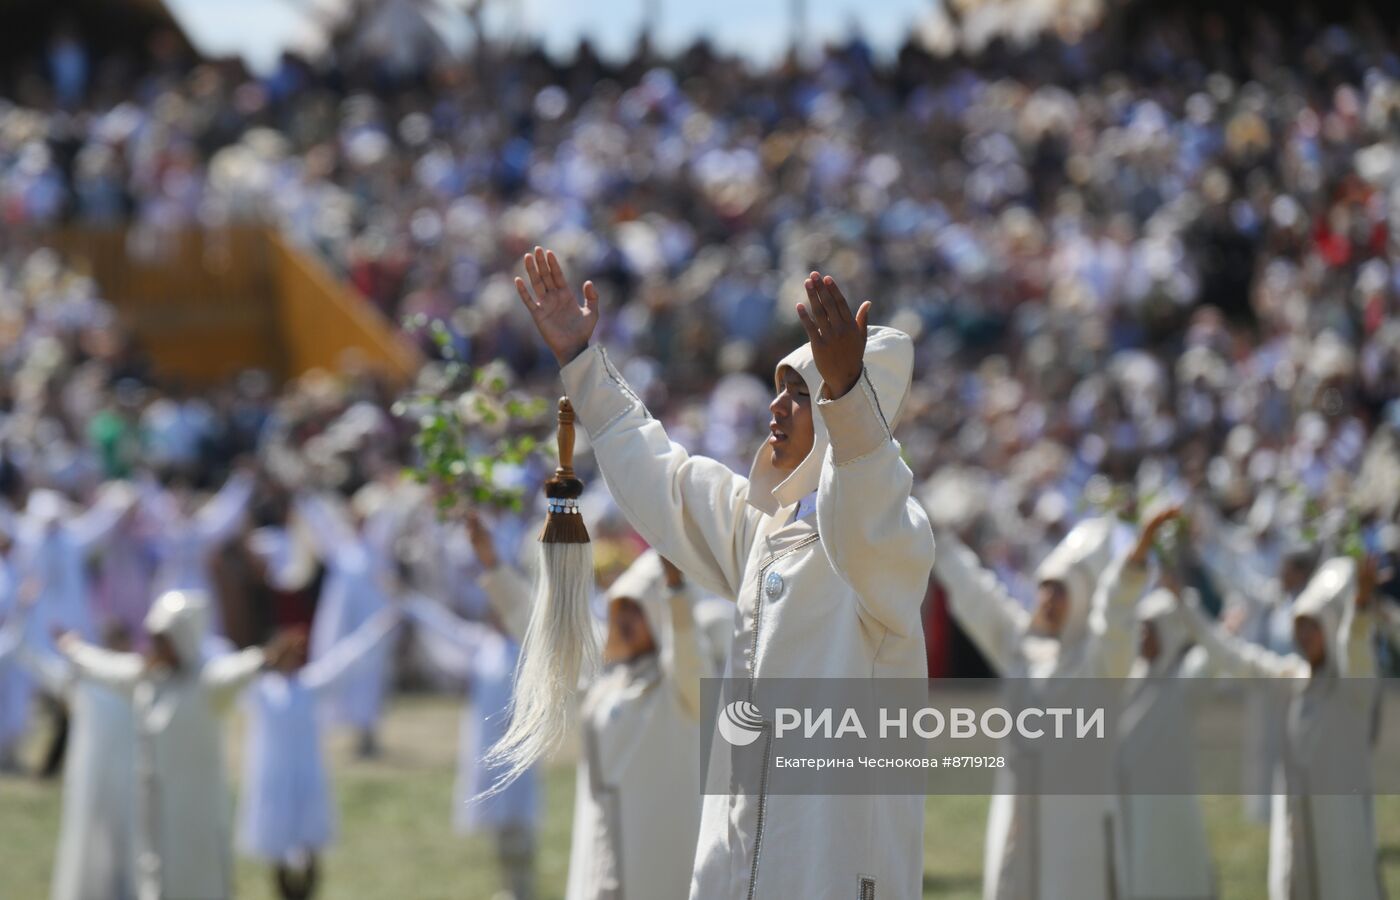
[{"x": 470, "y": 421}]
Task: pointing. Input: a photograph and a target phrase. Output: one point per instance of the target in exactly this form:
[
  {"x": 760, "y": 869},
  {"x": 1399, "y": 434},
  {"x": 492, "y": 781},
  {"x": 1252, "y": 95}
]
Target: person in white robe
[
  {"x": 1259, "y": 608},
  {"x": 822, "y": 548},
  {"x": 1041, "y": 845},
  {"x": 356, "y": 587},
  {"x": 640, "y": 737},
  {"x": 177, "y": 695},
  {"x": 285, "y": 811},
  {"x": 484, "y": 655},
  {"x": 125, "y": 576},
  {"x": 95, "y": 857},
  {"x": 1321, "y": 844},
  {"x": 54, "y": 543},
  {"x": 184, "y": 536},
  {"x": 1167, "y": 852}
]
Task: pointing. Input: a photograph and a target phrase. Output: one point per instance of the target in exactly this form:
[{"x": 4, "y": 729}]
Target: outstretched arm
[
  {"x": 506, "y": 589},
  {"x": 1356, "y": 640},
  {"x": 979, "y": 601},
  {"x": 1232, "y": 656},
  {"x": 681, "y": 659},
  {"x": 91, "y": 528},
  {"x": 875, "y": 535},
  {"x": 693, "y": 510},
  {"x": 350, "y": 653},
  {"x": 224, "y": 676},
  {"x": 218, "y": 519},
  {"x": 326, "y": 526},
  {"x": 1120, "y": 587},
  {"x": 452, "y": 643},
  {"x": 119, "y": 671}
]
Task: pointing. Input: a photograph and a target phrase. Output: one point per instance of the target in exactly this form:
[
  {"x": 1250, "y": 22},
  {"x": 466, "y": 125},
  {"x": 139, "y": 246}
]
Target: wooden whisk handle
[{"x": 566, "y": 436}]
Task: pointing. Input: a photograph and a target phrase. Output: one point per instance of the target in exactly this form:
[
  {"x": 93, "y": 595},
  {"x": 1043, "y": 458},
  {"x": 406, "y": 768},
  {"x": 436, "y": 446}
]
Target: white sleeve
[
  {"x": 510, "y": 596},
  {"x": 681, "y": 660},
  {"x": 326, "y": 527},
  {"x": 978, "y": 600},
  {"x": 224, "y": 676},
  {"x": 93, "y": 526},
  {"x": 119, "y": 671},
  {"x": 693, "y": 510},
  {"x": 452, "y": 643},
  {"x": 1232, "y": 656},
  {"x": 218, "y": 519},
  {"x": 351, "y": 651},
  {"x": 1115, "y": 601},
  {"x": 875, "y": 535}
]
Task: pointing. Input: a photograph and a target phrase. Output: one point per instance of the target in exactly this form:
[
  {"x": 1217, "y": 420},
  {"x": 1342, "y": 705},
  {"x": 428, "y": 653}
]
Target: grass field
[{"x": 396, "y": 842}]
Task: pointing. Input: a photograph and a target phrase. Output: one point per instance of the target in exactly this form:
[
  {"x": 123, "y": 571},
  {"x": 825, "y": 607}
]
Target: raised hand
[
  {"x": 1148, "y": 535},
  {"x": 837, "y": 336},
  {"x": 480, "y": 537},
  {"x": 565, "y": 326}
]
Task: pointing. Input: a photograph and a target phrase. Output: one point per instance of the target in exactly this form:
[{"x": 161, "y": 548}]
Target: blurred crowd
[
  {"x": 1155, "y": 264},
  {"x": 1158, "y": 259}
]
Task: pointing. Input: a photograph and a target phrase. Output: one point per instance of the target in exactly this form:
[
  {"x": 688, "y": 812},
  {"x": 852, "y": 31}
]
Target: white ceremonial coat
[
  {"x": 641, "y": 742},
  {"x": 52, "y": 547},
  {"x": 485, "y": 659},
  {"x": 836, "y": 594},
  {"x": 1045, "y": 846},
  {"x": 353, "y": 591},
  {"x": 1166, "y": 848},
  {"x": 182, "y": 810},
  {"x": 1321, "y": 846},
  {"x": 285, "y": 804},
  {"x": 184, "y": 545},
  {"x": 96, "y": 854},
  {"x": 1267, "y": 610}
]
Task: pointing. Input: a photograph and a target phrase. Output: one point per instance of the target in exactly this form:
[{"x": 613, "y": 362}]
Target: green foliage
[{"x": 469, "y": 422}]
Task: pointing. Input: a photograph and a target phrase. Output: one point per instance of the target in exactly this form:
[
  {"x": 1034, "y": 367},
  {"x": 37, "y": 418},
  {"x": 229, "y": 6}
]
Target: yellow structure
[{"x": 207, "y": 304}]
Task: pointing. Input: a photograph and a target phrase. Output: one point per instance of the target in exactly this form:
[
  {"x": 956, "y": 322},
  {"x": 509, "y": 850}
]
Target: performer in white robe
[
  {"x": 822, "y": 548},
  {"x": 53, "y": 546},
  {"x": 1166, "y": 853},
  {"x": 484, "y": 655},
  {"x": 1164, "y": 835},
  {"x": 1259, "y": 609},
  {"x": 184, "y": 538},
  {"x": 96, "y": 856},
  {"x": 1042, "y": 845},
  {"x": 285, "y": 808},
  {"x": 1321, "y": 845},
  {"x": 356, "y": 587},
  {"x": 184, "y": 847},
  {"x": 641, "y": 741}
]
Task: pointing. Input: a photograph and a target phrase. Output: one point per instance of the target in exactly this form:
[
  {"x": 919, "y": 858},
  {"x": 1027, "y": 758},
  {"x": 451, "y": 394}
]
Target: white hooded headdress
[
  {"x": 1329, "y": 600},
  {"x": 1161, "y": 609},
  {"x": 1076, "y": 562},
  {"x": 889, "y": 361},
  {"x": 644, "y": 582},
  {"x": 183, "y": 617}
]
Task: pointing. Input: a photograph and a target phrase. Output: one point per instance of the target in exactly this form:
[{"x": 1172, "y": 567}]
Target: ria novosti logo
[{"x": 740, "y": 723}]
